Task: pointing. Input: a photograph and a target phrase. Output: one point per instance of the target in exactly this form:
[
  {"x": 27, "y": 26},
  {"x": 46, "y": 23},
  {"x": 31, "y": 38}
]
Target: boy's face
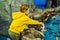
[{"x": 27, "y": 12}]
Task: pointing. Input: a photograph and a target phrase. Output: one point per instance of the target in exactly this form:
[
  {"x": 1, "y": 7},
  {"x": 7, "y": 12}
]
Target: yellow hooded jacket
[{"x": 19, "y": 22}]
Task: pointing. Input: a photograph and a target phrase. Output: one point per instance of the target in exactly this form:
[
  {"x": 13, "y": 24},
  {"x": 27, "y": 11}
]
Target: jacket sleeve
[{"x": 31, "y": 21}]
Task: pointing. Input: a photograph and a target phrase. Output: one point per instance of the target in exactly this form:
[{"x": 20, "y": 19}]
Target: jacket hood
[{"x": 17, "y": 15}]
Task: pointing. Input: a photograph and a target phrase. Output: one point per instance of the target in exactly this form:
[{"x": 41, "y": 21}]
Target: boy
[{"x": 19, "y": 22}]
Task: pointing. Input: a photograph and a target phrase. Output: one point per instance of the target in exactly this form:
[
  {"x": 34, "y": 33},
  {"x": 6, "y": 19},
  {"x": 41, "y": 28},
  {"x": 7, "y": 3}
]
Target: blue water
[{"x": 53, "y": 28}]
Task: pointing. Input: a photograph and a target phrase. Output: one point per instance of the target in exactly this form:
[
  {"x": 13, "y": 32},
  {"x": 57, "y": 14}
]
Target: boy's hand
[
  {"x": 41, "y": 22},
  {"x": 43, "y": 26}
]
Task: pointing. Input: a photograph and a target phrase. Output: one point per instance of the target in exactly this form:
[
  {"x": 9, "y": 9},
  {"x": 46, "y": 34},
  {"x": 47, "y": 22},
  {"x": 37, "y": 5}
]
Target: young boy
[{"x": 19, "y": 22}]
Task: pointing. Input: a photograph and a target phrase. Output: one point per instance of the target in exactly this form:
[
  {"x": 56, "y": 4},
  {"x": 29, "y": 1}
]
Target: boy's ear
[{"x": 24, "y": 10}]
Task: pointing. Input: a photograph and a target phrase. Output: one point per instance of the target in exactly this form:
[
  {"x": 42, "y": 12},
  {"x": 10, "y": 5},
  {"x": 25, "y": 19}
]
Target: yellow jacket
[{"x": 19, "y": 22}]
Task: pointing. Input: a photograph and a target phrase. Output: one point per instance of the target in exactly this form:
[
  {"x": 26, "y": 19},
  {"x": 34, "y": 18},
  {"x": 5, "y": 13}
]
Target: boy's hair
[{"x": 24, "y": 7}]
